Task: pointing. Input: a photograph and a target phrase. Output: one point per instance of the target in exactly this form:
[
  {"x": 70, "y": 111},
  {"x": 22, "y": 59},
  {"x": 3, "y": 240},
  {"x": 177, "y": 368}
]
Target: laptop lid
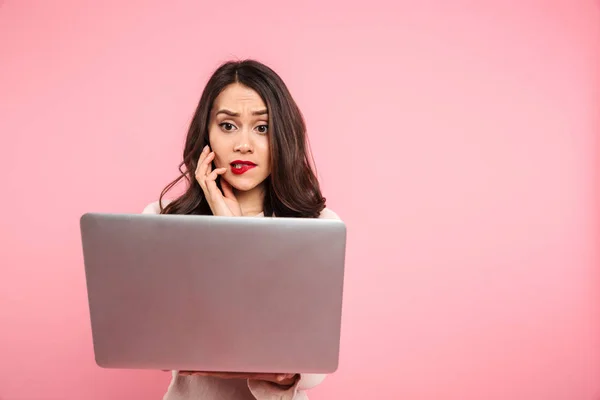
[{"x": 214, "y": 293}]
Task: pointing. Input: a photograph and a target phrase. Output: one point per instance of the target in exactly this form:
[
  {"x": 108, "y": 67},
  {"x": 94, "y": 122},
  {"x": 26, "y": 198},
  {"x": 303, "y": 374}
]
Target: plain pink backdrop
[{"x": 458, "y": 140}]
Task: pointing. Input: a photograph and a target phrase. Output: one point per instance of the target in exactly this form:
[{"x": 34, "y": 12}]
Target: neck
[{"x": 251, "y": 201}]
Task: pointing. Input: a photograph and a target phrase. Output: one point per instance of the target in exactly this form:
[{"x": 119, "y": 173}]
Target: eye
[
  {"x": 262, "y": 129},
  {"x": 226, "y": 126}
]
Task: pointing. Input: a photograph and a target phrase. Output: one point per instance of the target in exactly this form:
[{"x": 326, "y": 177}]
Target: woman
[{"x": 245, "y": 155}]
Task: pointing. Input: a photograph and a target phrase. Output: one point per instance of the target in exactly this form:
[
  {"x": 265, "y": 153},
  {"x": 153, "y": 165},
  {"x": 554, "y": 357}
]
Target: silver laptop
[{"x": 205, "y": 293}]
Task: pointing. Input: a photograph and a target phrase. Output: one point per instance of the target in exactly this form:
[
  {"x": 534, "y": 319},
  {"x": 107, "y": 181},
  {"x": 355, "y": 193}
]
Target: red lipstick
[{"x": 238, "y": 167}]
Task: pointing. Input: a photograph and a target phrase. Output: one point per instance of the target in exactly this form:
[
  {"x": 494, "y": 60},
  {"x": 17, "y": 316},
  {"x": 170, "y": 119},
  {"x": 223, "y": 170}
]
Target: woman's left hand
[{"x": 280, "y": 379}]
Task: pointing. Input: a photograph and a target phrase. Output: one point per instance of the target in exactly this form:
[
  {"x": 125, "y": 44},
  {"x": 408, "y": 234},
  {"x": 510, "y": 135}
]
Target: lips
[{"x": 239, "y": 167}]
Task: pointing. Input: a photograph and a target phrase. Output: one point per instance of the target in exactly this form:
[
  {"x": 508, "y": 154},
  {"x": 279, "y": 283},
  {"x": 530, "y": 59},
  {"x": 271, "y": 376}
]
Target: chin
[{"x": 243, "y": 184}]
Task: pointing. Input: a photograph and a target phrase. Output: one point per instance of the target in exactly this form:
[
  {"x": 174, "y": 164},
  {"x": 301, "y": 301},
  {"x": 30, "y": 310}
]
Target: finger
[
  {"x": 195, "y": 373},
  {"x": 211, "y": 179},
  {"x": 203, "y": 154},
  {"x": 222, "y": 375},
  {"x": 205, "y": 174},
  {"x": 201, "y": 170},
  {"x": 283, "y": 377},
  {"x": 227, "y": 190},
  {"x": 211, "y": 183},
  {"x": 275, "y": 378},
  {"x": 209, "y": 162},
  {"x": 198, "y": 173}
]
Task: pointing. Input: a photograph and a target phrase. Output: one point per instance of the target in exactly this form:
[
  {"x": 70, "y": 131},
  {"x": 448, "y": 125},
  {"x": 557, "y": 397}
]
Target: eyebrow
[{"x": 234, "y": 114}]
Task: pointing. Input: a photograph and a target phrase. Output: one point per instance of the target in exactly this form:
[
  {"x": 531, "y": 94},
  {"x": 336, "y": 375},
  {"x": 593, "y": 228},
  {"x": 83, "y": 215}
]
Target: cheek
[
  {"x": 214, "y": 147},
  {"x": 218, "y": 161},
  {"x": 265, "y": 151}
]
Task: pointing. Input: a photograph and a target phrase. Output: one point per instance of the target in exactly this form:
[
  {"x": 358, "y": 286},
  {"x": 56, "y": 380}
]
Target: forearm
[{"x": 263, "y": 390}]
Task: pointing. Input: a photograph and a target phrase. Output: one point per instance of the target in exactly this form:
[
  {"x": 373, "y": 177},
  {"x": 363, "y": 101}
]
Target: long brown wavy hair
[{"x": 292, "y": 189}]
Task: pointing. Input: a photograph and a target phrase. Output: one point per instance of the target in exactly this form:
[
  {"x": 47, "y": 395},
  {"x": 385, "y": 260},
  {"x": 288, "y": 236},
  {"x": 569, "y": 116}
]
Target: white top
[
  {"x": 184, "y": 387},
  {"x": 154, "y": 208}
]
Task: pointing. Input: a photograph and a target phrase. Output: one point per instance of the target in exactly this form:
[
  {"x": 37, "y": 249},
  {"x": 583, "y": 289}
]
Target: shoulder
[
  {"x": 154, "y": 207},
  {"x": 327, "y": 213}
]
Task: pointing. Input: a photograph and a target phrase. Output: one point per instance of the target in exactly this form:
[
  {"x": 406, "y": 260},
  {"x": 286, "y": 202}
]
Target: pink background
[{"x": 457, "y": 139}]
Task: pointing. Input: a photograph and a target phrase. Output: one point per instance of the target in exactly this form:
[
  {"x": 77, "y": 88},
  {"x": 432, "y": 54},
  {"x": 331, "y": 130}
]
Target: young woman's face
[{"x": 238, "y": 134}]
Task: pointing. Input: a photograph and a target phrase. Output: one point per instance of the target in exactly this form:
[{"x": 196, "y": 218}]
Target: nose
[
  {"x": 243, "y": 145},
  {"x": 243, "y": 148}
]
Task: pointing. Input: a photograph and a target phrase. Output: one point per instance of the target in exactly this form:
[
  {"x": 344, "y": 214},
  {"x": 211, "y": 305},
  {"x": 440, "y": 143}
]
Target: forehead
[{"x": 239, "y": 98}]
